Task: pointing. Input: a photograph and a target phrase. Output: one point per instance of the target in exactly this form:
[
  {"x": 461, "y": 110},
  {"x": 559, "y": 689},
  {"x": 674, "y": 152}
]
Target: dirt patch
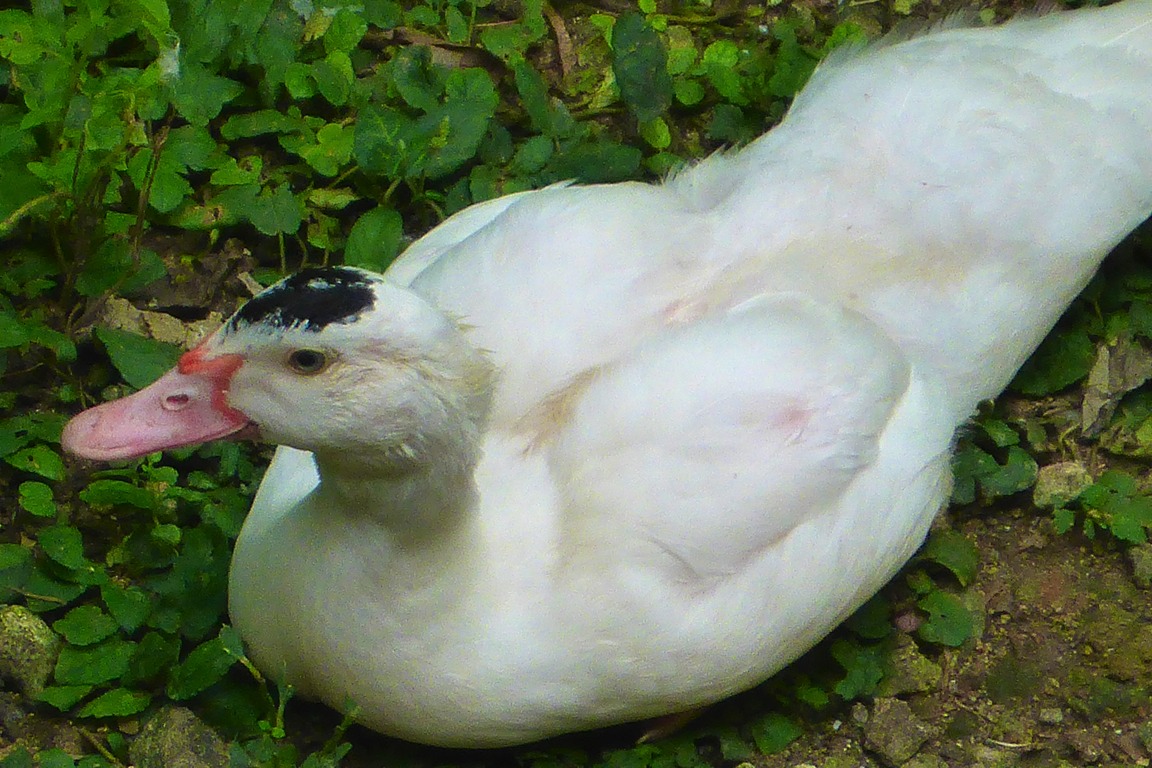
[{"x": 1060, "y": 676}]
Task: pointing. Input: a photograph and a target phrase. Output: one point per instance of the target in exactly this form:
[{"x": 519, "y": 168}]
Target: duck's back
[{"x": 959, "y": 188}]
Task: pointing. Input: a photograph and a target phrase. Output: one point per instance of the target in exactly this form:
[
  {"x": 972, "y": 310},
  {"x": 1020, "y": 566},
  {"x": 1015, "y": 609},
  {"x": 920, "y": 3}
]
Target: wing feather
[{"x": 717, "y": 440}]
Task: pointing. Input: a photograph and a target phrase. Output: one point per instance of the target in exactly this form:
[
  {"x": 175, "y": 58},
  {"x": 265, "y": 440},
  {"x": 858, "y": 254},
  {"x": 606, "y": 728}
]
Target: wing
[
  {"x": 450, "y": 233},
  {"x": 716, "y": 441}
]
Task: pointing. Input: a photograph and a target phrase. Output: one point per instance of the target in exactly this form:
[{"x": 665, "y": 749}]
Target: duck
[{"x": 588, "y": 455}]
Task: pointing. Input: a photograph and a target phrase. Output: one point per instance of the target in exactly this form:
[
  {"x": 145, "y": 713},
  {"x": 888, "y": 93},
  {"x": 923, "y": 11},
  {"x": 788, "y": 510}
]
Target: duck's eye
[{"x": 307, "y": 361}]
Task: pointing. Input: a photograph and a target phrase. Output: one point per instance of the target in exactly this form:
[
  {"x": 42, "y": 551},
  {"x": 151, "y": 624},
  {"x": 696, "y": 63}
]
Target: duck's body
[
  {"x": 597, "y": 454},
  {"x": 609, "y": 573}
]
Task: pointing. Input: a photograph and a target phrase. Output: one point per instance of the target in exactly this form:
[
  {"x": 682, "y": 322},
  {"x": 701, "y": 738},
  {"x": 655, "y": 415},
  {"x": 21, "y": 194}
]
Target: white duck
[{"x": 594, "y": 454}]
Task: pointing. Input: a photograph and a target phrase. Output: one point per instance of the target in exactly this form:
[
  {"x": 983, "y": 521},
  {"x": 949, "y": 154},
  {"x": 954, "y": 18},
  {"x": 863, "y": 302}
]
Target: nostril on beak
[{"x": 176, "y": 402}]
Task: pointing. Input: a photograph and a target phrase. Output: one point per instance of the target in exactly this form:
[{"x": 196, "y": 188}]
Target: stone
[
  {"x": 176, "y": 738},
  {"x": 1123, "y": 640},
  {"x": 1144, "y": 733},
  {"x": 28, "y": 649},
  {"x": 909, "y": 671},
  {"x": 894, "y": 732},
  {"x": 927, "y": 761},
  {"x": 1059, "y": 483},
  {"x": 1141, "y": 558}
]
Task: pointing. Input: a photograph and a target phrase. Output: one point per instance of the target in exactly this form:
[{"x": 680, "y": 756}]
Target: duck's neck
[
  {"x": 417, "y": 501},
  {"x": 412, "y": 535},
  {"x": 409, "y": 468}
]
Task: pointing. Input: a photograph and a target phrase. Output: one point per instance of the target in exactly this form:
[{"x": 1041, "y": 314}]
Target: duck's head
[{"x": 330, "y": 360}]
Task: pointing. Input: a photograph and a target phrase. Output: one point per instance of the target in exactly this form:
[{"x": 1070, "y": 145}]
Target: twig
[
  {"x": 563, "y": 39},
  {"x": 25, "y": 209},
  {"x": 99, "y": 747},
  {"x": 1011, "y": 745}
]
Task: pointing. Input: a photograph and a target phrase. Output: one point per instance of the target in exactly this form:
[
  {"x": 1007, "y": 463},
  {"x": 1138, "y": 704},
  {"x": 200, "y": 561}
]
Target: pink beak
[{"x": 186, "y": 406}]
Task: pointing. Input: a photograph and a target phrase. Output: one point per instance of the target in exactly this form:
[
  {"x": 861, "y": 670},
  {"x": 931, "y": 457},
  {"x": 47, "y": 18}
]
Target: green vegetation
[{"x": 150, "y": 149}]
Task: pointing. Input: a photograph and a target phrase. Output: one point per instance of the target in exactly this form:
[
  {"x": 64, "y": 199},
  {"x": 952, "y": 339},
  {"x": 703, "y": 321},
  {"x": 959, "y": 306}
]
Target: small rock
[
  {"x": 1128, "y": 743},
  {"x": 1086, "y": 745},
  {"x": 989, "y": 757},
  {"x": 1144, "y": 732},
  {"x": 1141, "y": 558},
  {"x": 907, "y": 622},
  {"x": 12, "y": 714},
  {"x": 28, "y": 649},
  {"x": 850, "y": 755},
  {"x": 176, "y": 738},
  {"x": 909, "y": 671},
  {"x": 67, "y": 738},
  {"x": 21, "y": 724},
  {"x": 1059, "y": 483},
  {"x": 926, "y": 761},
  {"x": 1123, "y": 640},
  {"x": 894, "y": 733},
  {"x": 1051, "y": 715}
]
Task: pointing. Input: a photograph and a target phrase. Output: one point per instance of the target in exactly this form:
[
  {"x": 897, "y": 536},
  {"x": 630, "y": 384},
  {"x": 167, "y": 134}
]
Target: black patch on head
[{"x": 310, "y": 299}]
